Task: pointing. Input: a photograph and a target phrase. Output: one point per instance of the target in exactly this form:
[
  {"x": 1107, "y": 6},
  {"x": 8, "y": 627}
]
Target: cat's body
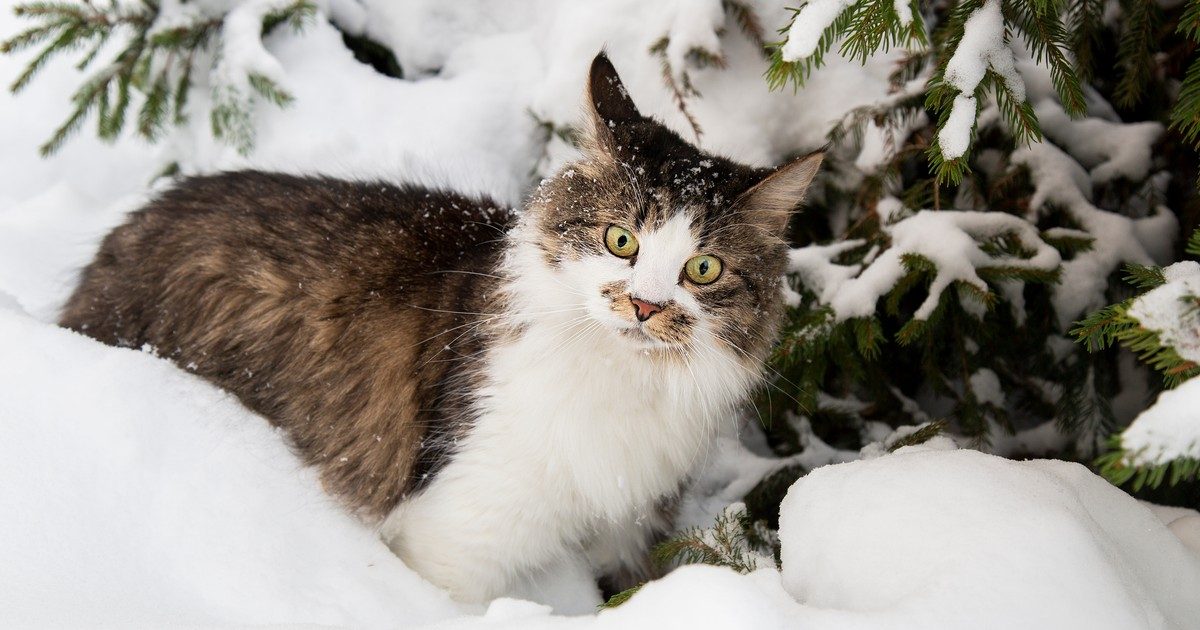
[
  {"x": 320, "y": 303},
  {"x": 500, "y": 395}
]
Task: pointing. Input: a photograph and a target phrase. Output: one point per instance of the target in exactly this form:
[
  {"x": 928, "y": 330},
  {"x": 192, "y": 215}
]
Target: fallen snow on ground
[
  {"x": 137, "y": 494},
  {"x": 134, "y": 494},
  {"x": 143, "y": 496},
  {"x": 935, "y": 538}
]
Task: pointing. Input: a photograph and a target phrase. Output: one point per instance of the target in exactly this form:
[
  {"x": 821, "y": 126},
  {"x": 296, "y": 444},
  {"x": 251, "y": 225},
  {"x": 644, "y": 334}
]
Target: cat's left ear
[
  {"x": 609, "y": 105},
  {"x": 769, "y": 203}
]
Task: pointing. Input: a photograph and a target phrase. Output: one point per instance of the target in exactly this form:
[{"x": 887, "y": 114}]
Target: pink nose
[{"x": 644, "y": 309}]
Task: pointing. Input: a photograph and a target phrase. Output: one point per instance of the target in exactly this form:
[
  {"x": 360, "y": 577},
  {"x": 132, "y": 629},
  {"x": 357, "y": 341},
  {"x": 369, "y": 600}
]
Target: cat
[{"x": 497, "y": 391}]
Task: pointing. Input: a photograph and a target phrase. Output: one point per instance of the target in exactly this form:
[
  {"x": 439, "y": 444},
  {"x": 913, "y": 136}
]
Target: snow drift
[
  {"x": 928, "y": 538},
  {"x": 136, "y": 494}
]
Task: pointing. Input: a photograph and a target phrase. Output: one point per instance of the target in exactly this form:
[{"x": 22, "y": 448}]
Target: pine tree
[
  {"x": 157, "y": 61},
  {"x": 969, "y": 332},
  {"x": 1158, "y": 347}
]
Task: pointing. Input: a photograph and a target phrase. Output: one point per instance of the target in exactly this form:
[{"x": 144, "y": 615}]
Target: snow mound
[
  {"x": 142, "y": 496},
  {"x": 959, "y": 539},
  {"x": 137, "y": 495}
]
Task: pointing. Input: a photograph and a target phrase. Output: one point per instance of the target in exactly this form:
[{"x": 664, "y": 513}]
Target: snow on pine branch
[
  {"x": 953, "y": 241},
  {"x": 1167, "y": 432},
  {"x": 1060, "y": 183},
  {"x": 804, "y": 35},
  {"x": 983, "y": 47},
  {"x": 817, "y": 16},
  {"x": 163, "y": 49},
  {"x": 1172, "y": 311},
  {"x": 245, "y": 68}
]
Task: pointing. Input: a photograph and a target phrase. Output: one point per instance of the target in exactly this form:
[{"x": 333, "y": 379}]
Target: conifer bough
[{"x": 154, "y": 62}]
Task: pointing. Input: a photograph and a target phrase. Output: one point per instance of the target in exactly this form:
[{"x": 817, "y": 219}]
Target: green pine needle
[{"x": 65, "y": 26}]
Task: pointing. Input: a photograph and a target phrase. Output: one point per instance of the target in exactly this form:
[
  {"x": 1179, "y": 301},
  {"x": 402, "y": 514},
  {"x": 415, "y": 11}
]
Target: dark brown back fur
[{"x": 322, "y": 304}]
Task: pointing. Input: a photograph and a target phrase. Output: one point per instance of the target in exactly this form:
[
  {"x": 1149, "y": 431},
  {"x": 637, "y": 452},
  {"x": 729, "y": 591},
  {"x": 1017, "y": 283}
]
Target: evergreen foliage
[
  {"x": 1116, "y": 324},
  {"x": 733, "y": 541},
  {"x": 152, "y": 70},
  {"x": 986, "y": 351}
]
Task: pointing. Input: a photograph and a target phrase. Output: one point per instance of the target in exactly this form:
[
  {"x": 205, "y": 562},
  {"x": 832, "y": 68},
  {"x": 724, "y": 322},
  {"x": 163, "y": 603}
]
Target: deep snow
[{"x": 134, "y": 494}]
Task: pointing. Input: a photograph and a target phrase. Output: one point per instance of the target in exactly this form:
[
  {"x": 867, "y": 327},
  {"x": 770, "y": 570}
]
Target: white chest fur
[{"x": 576, "y": 441}]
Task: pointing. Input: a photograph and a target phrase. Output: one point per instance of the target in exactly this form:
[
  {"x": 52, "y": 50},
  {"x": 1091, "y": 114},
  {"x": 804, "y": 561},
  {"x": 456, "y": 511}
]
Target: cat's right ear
[{"x": 608, "y": 103}]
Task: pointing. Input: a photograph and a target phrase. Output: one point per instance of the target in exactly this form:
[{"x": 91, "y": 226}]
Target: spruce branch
[
  {"x": 679, "y": 83},
  {"x": 725, "y": 544},
  {"x": 926, "y": 432},
  {"x": 1119, "y": 467},
  {"x": 157, "y": 65},
  {"x": 1084, "y": 26},
  {"x": 1115, "y": 325},
  {"x": 1136, "y": 48},
  {"x": 1042, "y": 29},
  {"x": 747, "y": 20},
  {"x": 864, "y": 28}
]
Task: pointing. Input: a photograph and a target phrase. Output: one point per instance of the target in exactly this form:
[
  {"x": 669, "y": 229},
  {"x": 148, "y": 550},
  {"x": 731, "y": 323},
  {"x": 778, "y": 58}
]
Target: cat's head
[{"x": 658, "y": 242}]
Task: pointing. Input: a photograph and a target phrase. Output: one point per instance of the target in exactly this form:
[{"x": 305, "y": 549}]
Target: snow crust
[{"x": 929, "y": 538}]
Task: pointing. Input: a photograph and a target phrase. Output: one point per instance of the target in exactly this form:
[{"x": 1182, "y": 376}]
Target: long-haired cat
[{"x": 497, "y": 392}]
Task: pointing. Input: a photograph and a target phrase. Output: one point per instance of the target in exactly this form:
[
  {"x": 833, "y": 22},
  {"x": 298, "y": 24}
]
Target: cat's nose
[{"x": 644, "y": 309}]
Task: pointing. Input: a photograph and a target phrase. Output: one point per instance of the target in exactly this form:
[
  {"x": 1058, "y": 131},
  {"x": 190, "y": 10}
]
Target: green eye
[
  {"x": 620, "y": 241},
  {"x": 703, "y": 269}
]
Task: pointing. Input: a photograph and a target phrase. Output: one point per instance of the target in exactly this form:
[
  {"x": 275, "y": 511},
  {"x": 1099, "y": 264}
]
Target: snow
[
  {"x": 955, "y": 136},
  {"x": 950, "y": 239},
  {"x": 1168, "y": 430},
  {"x": 903, "y": 11},
  {"x": 983, "y": 46},
  {"x": 933, "y": 538},
  {"x": 242, "y": 52},
  {"x": 986, "y": 386},
  {"x": 145, "y": 497},
  {"x": 1173, "y": 309},
  {"x": 139, "y": 495},
  {"x": 809, "y": 25},
  {"x": 1112, "y": 149},
  {"x": 1059, "y": 181}
]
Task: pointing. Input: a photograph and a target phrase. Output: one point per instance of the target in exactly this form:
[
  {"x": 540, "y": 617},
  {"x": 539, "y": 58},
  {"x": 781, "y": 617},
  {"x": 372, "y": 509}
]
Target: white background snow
[{"x": 133, "y": 494}]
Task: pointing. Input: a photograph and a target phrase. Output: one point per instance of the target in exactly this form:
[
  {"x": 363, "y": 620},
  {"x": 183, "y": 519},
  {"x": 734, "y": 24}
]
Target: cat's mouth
[
  {"x": 644, "y": 337},
  {"x": 667, "y": 327}
]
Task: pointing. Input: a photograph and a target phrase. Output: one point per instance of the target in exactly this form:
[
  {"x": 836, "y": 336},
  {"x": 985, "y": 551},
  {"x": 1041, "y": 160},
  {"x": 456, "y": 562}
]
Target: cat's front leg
[
  {"x": 619, "y": 552},
  {"x": 474, "y": 536}
]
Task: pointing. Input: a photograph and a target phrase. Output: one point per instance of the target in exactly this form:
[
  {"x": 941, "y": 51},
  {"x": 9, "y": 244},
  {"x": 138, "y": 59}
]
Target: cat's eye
[
  {"x": 703, "y": 269},
  {"x": 620, "y": 241}
]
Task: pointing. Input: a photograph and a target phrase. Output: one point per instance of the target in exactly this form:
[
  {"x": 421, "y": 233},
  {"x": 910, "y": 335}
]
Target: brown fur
[{"x": 343, "y": 312}]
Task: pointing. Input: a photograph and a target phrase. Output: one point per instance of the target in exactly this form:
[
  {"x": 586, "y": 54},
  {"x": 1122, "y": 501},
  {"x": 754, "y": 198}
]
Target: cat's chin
[{"x": 642, "y": 340}]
